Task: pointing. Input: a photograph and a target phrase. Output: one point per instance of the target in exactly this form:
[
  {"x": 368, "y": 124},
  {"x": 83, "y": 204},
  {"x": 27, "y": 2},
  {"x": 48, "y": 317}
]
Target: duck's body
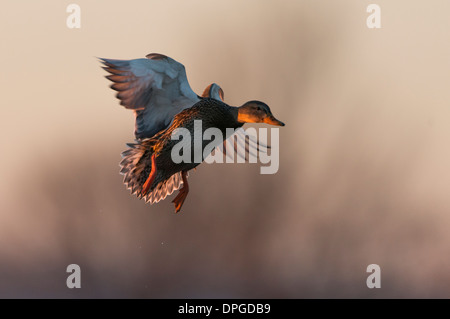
[
  {"x": 212, "y": 114},
  {"x": 148, "y": 166}
]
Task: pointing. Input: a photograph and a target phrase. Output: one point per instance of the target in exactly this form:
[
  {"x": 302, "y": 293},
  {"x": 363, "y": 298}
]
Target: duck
[{"x": 156, "y": 89}]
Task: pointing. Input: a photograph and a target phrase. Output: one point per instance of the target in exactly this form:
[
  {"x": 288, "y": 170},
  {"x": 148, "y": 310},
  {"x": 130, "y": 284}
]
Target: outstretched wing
[
  {"x": 213, "y": 91},
  {"x": 242, "y": 146},
  {"x": 156, "y": 88}
]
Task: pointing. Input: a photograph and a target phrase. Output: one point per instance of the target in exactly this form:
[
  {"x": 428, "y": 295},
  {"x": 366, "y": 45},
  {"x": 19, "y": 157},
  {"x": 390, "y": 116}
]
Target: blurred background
[{"x": 364, "y": 157}]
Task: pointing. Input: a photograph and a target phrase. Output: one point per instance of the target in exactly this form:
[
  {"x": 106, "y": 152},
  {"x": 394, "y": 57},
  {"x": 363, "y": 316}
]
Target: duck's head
[{"x": 257, "y": 112}]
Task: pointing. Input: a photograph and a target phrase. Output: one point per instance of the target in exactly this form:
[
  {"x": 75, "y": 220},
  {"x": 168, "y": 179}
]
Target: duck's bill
[{"x": 273, "y": 121}]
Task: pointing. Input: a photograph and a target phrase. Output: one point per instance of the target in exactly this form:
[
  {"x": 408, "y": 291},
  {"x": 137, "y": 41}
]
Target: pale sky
[{"x": 361, "y": 106}]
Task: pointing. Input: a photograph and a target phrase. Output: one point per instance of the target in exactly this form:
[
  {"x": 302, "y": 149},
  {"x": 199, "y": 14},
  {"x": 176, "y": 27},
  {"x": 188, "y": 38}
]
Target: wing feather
[
  {"x": 244, "y": 144},
  {"x": 156, "y": 88}
]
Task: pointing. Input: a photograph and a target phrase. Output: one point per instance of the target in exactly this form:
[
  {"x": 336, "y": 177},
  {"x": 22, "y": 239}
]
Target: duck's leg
[
  {"x": 182, "y": 194},
  {"x": 151, "y": 177}
]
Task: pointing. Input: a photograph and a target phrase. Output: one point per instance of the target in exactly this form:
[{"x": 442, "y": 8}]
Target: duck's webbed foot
[
  {"x": 182, "y": 194},
  {"x": 151, "y": 177}
]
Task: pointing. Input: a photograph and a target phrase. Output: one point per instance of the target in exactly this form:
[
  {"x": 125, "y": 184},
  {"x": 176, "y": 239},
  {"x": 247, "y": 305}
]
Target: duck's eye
[{"x": 259, "y": 108}]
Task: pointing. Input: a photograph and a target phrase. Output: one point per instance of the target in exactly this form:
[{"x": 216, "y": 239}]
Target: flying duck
[{"x": 157, "y": 90}]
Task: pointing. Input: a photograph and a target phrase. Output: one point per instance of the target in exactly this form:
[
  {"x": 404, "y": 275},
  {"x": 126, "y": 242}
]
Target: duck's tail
[{"x": 136, "y": 166}]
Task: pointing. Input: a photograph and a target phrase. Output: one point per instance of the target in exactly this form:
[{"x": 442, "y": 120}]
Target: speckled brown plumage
[{"x": 136, "y": 163}]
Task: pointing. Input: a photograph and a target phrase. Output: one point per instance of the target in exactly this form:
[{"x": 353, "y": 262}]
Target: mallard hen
[{"x": 156, "y": 88}]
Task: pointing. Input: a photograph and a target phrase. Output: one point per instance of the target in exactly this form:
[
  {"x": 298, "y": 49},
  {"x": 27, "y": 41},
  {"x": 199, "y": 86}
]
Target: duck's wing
[
  {"x": 214, "y": 91},
  {"x": 242, "y": 146},
  {"x": 156, "y": 88}
]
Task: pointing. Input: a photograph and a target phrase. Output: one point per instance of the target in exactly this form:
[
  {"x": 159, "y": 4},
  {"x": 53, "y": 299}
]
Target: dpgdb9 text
[{"x": 245, "y": 308}]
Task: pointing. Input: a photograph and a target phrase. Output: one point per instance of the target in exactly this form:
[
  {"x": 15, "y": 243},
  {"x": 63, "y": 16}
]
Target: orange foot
[
  {"x": 151, "y": 177},
  {"x": 182, "y": 194}
]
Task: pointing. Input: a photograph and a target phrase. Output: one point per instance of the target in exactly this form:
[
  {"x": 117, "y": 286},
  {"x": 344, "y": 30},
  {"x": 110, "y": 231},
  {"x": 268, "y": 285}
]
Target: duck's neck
[{"x": 234, "y": 111}]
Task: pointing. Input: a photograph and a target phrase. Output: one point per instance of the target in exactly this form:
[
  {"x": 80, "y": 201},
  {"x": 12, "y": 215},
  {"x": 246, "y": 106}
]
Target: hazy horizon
[{"x": 363, "y": 176}]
